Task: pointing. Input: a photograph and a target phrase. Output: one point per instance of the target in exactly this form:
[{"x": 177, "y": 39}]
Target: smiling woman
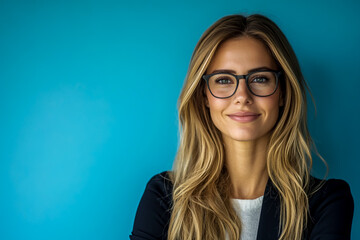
[
  {"x": 243, "y": 166},
  {"x": 239, "y": 114}
]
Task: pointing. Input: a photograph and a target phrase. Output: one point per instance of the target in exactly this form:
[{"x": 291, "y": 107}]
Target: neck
[{"x": 246, "y": 165}]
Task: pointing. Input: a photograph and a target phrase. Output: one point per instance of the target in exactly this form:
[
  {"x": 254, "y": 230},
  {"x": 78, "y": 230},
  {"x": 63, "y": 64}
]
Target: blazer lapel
[{"x": 270, "y": 214}]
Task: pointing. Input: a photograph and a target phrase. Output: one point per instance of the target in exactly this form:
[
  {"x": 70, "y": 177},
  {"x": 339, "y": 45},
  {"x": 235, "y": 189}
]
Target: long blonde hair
[{"x": 201, "y": 186}]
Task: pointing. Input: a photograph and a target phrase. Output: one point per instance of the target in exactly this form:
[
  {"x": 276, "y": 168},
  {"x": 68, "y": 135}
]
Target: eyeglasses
[{"x": 262, "y": 83}]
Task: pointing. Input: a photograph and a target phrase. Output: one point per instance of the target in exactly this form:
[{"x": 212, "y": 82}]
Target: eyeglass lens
[{"x": 259, "y": 83}]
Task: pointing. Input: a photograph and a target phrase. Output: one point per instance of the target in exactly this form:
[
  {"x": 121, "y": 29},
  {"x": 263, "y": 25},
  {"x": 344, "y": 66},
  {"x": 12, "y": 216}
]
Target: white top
[{"x": 248, "y": 211}]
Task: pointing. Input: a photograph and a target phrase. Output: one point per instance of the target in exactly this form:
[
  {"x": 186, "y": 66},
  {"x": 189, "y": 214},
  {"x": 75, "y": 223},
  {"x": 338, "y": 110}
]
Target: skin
[{"x": 245, "y": 143}]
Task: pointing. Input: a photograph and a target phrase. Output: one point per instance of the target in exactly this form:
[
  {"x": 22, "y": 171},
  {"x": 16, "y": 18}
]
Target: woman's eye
[
  {"x": 223, "y": 81},
  {"x": 259, "y": 80}
]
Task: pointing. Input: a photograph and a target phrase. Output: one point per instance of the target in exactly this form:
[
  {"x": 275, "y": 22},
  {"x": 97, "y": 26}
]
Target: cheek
[
  {"x": 271, "y": 106},
  {"x": 212, "y": 104},
  {"x": 216, "y": 107},
  {"x": 215, "y": 104}
]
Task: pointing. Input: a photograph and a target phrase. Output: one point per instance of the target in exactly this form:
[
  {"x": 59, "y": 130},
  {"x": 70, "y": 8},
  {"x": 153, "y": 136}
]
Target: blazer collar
[{"x": 270, "y": 214}]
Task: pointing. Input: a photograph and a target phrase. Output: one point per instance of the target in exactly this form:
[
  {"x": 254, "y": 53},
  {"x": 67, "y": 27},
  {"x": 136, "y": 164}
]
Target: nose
[{"x": 242, "y": 94}]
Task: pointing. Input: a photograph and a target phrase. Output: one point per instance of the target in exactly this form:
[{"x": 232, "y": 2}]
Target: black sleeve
[
  {"x": 333, "y": 216},
  {"x": 153, "y": 213}
]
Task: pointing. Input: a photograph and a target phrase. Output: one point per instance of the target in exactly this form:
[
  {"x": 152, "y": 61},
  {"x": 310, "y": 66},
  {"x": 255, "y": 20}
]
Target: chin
[{"x": 243, "y": 137}]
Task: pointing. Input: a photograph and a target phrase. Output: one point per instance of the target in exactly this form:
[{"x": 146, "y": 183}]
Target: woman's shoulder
[
  {"x": 165, "y": 175},
  {"x": 160, "y": 183},
  {"x": 153, "y": 213},
  {"x": 331, "y": 199},
  {"x": 331, "y": 207},
  {"x": 323, "y": 191},
  {"x": 320, "y": 188},
  {"x": 160, "y": 187}
]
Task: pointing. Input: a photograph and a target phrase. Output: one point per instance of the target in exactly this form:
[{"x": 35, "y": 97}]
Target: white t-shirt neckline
[{"x": 248, "y": 211}]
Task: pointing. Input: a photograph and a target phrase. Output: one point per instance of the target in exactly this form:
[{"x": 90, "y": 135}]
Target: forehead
[{"x": 241, "y": 55}]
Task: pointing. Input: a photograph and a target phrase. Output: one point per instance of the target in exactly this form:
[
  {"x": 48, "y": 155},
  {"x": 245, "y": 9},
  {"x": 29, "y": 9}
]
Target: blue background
[{"x": 88, "y": 102}]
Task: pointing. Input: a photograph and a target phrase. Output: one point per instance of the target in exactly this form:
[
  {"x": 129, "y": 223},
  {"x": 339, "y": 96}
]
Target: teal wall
[{"x": 88, "y": 93}]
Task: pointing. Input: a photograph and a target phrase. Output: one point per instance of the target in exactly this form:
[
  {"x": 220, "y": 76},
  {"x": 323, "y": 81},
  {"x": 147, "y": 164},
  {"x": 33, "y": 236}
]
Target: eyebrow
[{"x": 234, "y": 72}]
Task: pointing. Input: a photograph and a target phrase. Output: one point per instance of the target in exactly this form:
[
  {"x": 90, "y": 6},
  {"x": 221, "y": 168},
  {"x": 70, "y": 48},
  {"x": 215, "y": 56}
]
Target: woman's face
[{"x": 243, "y": 117}]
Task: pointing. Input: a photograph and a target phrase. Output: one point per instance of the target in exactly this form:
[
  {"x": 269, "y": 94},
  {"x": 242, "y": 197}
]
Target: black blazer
[{"x": 331, "y": 211}]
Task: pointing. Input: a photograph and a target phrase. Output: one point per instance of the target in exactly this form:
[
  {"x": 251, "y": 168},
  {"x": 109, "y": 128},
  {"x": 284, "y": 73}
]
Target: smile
[{"x": 244, "y": 117}]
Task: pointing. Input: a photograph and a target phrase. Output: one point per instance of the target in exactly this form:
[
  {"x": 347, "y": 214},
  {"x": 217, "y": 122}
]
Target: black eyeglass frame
[{"x": 246, "y": 77}]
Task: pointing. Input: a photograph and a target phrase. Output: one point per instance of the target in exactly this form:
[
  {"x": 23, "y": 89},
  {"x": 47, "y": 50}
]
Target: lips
[{"x": 244, "y": 116}]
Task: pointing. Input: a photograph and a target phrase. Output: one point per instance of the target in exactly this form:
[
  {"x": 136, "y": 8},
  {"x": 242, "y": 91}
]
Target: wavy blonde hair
[{"x": 201, "y": 191}]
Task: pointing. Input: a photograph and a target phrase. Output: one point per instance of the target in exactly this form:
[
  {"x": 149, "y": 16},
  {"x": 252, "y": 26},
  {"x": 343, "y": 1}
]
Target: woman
[{"x": 242, "y": 170}]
